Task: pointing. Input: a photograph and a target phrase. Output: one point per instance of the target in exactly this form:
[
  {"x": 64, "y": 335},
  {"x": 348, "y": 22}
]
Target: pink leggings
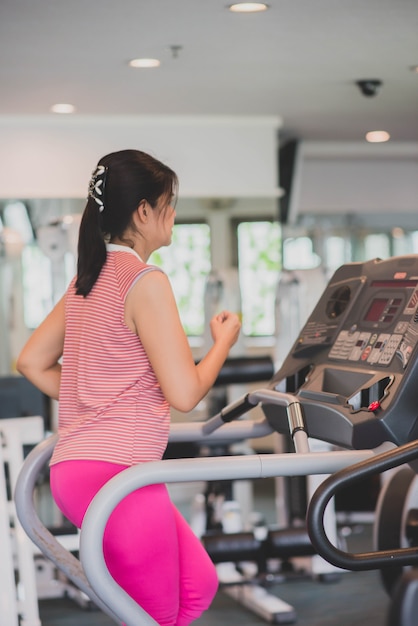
[{"x": 149, "y": 548}]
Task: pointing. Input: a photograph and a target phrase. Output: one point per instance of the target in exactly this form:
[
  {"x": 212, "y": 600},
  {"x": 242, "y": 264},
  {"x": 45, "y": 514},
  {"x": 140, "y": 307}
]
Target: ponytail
[{"x": 91, "y": 249}]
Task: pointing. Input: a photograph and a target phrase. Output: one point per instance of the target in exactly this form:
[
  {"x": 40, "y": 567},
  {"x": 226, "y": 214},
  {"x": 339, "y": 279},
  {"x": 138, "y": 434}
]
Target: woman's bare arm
[
  {"x": 151, "y": 312},
  {"x": 39, "y": 359}
]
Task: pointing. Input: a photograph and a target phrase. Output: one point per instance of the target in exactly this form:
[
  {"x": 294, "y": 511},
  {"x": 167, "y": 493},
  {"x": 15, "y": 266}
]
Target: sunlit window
[
  {"x": 48, "y": 266},
  {"x": 187, "y": 263},
  {"x": 259, "y": 255},
  {"x": 298, "y": 254},
  {"x": 37, "y": 285},
  {"x": 16, "y": 217},
  {"x": 377, "y": 246},
  {"x": 337, "y": 252},
  {"x": 414, "y": 241}
]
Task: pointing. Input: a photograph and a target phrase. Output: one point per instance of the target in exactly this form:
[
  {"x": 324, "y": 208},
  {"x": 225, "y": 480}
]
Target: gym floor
[{"x": 355, "y": 598}]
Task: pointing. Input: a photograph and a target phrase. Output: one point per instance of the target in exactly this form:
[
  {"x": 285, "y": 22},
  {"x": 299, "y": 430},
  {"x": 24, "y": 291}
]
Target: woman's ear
[{"x": 142, "y": 211}]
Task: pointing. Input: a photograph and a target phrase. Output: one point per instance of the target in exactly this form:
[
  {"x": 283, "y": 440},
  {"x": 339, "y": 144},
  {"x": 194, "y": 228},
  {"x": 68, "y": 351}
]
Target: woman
[{"x": 125, "y": 361}]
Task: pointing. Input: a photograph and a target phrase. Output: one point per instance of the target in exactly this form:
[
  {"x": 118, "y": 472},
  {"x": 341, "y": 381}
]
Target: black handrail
[{"x": 343, "y": 478}]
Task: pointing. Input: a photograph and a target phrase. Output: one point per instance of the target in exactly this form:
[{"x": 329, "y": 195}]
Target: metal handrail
[
  {"x": 183, "y": 470},
  {"x": 36, "y": 530},
  {"x": 346, "y": 477}
]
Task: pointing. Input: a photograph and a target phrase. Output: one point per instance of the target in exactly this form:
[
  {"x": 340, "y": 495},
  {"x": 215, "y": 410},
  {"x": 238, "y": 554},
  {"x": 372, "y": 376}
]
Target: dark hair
[{"x": 131, "y": 176}]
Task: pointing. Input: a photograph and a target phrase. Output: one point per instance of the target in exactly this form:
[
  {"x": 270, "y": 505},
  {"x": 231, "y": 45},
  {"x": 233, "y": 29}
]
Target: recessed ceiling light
[
  {"x": 377, "y": 136},
  {"x": 248, "y": 7},
  {"x": 144, "y": 63},
  {"x": 63, "y": 108},
  {"x": 414, "y": 68},
  {"x": 398, "y": 232}
]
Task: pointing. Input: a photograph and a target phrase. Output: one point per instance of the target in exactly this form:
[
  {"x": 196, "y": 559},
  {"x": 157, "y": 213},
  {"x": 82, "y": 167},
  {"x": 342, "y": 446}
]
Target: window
[
  {"x": 37, "y": 285},
  {"x": 48, "y": 266},
  {"x": 298, "y": 254},
  {"x": 16, "y": 217},
  {"x": 377, "y": 245},
  {"x": 187, "y": 263},
  {"x": 337, "y": 251},
  {"x": 414, "y": 242},
  {"x": 259, "y": 256}
]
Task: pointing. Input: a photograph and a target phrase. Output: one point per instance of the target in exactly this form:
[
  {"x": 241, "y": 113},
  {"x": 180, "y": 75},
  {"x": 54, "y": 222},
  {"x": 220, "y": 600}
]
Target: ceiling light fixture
[
  {"x": 63, "y": 108},
  {"x": 414, "y": 68},
  {"x": 248, "y": 7},
  {"x": 377, "y": 136},
  {"x": 144, "y": 63}
]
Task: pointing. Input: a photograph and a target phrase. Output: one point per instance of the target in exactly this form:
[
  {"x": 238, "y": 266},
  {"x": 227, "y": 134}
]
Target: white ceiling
[{"x": 299, "y": 60}]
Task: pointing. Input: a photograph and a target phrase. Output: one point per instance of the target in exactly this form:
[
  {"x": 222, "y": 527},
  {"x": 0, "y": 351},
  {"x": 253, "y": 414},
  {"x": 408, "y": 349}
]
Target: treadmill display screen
[
  {"x": 376, "y": 309},
  {"x": 398, "y": 284}
]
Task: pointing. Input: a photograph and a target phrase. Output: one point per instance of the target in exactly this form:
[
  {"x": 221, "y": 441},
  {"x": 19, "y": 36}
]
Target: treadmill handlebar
[
  {"x": 245, "y": 403},
  {"x": 228, "y": 413},
  {"x": 341, "y": 479}
]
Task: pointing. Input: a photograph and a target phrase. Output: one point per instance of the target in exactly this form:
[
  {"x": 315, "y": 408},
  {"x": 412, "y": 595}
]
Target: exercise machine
[{"x": 349, "y": 380}]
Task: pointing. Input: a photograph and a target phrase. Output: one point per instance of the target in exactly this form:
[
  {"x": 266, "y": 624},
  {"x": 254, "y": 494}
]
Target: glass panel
[
  {"x": 259, "y": 252},
  {"x": 16, "y": 216},
  {"x": 377, "y": 246},
  {"x": 37, "y": 285},
  {"x": 403, "y": 242},
  {"x": 337, "y": 251},
  {"x": 414, "y": 242},
  {"x": 298, "y": 254},
  {"x": 187, "y": 263}
]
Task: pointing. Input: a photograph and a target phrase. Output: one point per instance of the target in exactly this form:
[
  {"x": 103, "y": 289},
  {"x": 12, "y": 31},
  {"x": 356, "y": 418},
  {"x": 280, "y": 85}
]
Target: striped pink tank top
[{"x": 111, "y": 407}]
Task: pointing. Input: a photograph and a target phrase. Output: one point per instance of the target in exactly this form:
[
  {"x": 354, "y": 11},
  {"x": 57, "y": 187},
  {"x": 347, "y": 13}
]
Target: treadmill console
[{"x": 354, "y": 364}]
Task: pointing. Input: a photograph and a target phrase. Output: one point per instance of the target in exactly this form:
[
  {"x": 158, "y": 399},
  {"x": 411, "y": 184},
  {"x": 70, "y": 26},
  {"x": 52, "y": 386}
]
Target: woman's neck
[{"x": 138, "y": 246}]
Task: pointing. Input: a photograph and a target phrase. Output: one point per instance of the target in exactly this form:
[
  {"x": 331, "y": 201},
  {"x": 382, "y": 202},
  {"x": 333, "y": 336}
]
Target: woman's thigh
[
  {"x": 149, "y": 548},
  {"x": 140, "y": 540},
  {"x": 198, "y": 576}
]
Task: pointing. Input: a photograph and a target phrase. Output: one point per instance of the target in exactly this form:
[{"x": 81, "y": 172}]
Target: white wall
[
  {"x": 357, "y": 177},
  {"x": 214, "y": 156},
  {"x": 52, "y": 157}
]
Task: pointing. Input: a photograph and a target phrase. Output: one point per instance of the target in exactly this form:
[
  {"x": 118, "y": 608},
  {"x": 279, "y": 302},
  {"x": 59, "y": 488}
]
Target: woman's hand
[{"x": 226, "y": 327}]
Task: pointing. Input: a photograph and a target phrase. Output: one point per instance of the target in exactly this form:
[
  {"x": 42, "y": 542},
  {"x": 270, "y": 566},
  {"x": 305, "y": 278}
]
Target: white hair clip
[{"x": 97, "y": 185}]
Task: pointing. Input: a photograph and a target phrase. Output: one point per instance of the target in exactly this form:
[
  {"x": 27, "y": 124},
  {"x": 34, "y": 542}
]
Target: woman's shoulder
[{"x": 129, "y": 268}]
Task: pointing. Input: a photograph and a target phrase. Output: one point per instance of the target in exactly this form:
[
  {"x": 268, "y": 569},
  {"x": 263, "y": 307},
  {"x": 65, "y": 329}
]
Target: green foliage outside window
[
  {"x": 259, "y": 263},
  {"x": 187, "y": 263}
]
